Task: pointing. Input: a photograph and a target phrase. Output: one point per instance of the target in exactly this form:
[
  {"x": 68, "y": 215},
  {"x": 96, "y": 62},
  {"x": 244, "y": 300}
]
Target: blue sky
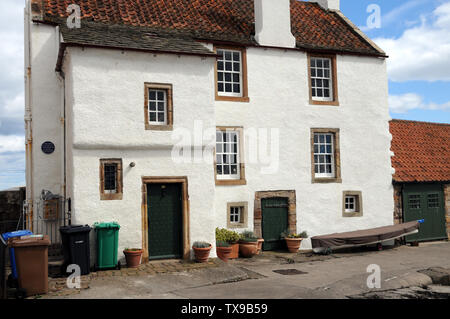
[{"x": 415, "y": 34}]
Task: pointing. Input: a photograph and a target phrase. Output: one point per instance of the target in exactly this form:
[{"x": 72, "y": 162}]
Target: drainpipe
[
  {"x": 28, "y": 116},
  {"x": 62, "y": 77}
]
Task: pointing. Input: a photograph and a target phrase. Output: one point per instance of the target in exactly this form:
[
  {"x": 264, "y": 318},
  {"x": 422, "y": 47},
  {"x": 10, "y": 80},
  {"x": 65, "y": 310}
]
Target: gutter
[
  {"x": 299, "y": 47},
  {"x": 61, "y": 76}
]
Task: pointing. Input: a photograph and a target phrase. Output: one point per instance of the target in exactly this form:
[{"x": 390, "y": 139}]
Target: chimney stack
[
  {"x": 273, "y": 23},
  {"x": 329, "y": 4}
]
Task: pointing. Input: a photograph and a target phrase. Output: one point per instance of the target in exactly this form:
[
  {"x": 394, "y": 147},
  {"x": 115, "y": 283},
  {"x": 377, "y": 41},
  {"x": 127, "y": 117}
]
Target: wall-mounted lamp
[{"x": 132, "y": 164}]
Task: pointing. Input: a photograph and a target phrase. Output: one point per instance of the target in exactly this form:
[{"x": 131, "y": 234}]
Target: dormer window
[{"x": 231, "y": 77}]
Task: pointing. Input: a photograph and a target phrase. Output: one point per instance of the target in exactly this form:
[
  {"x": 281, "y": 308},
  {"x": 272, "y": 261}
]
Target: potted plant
[
  {"x": 293, "y": 240},
  {"x": 223, "y": 250},
  {"x": 248, "y": 244},
  {"x": 133, "y": 257},
  {"x": 201, "y": 251},
  {"x": 232, "y": 238}
]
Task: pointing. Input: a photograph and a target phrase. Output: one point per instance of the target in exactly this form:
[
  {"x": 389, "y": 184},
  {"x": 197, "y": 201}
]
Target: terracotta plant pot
[
  {"x": 293, "y": 244},
  {"x": 202, "y": 254},
  {"x": 248, "y": 249},
  {"x": 234, "y": 251},
  {"x": 133, "y": 257},
  {"x": 224, "y": 252},
  {"x": 260, "y": 243}
]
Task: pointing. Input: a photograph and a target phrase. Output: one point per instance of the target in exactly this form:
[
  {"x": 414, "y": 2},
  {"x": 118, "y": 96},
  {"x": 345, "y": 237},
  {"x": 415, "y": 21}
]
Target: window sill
[
  {"x": 118, "y": 196},
  {"x": 244, "y": 99},
  {"x": 332, "y": 103},
  {"x": 236, "y": 225},
  {"x": 326, "y": 180},
  {"x": 150, "y": 127},
  {"x": 231, "y": 182}
]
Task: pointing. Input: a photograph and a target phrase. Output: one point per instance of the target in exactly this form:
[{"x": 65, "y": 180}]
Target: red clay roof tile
[
  {"x": 220, "y": 20},
  {"x": 422, "y": 151}
]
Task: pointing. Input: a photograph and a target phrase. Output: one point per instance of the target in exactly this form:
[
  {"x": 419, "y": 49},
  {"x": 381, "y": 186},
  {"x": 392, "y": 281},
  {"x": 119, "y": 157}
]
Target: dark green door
[
  {"x": 425, "y": 201},
  {"x": 274, "y": 222},
  {"x": 164, "y": 204}
]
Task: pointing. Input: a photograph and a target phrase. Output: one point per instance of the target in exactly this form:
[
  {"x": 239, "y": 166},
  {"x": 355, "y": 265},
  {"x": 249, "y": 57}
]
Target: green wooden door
[
  {"x": 164, "y": 202},
  {"x": 274, "y": 222},
  {"x": 425, "y": 201}
]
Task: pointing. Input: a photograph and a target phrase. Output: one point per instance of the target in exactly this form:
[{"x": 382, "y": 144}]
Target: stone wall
[
  {"x": 11, "y": 202},
  {"x": 398, "y": 207}
]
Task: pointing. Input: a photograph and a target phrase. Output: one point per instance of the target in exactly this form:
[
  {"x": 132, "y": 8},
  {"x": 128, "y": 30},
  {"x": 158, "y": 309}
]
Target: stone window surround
[
  {"x": 119, "y": 177},
  {"x": 244, "y": 215},
  {"x": 292, "y": 209},
  {"x": 244, "y": 97},
  {"x": 169, "y": 93},
  {"x": 232, "y": 182},
  {"x": 337, "y": 157},
  {"x": 358, "y": 205}
]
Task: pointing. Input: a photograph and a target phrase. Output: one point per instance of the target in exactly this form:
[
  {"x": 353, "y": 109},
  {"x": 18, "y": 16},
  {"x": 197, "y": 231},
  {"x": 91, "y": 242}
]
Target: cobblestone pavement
[{"x": 58, "y": 286}]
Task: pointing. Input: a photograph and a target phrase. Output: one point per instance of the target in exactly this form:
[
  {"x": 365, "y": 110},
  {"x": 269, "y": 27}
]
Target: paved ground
[{"x": 342, "y": 275}]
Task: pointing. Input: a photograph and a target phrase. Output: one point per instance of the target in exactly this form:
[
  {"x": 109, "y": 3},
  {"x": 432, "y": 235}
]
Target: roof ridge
[{"x": 357, "y": 31}]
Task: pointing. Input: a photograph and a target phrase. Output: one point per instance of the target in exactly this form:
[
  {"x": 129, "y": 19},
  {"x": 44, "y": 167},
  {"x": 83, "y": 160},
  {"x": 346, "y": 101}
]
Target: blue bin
[{"x": 12, "y": 258}]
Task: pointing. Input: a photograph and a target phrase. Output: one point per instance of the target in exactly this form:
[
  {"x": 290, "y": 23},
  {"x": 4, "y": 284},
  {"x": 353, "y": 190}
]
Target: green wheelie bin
[{"x": 107, "y": 245}]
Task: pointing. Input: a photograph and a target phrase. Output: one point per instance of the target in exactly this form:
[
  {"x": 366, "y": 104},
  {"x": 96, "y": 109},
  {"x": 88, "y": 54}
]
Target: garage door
[{"x": 425, "y": 201}]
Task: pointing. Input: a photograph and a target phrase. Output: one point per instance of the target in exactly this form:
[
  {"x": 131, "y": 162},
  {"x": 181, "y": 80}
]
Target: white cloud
[
  {"x": 411, "y": 101},
  {"x": 14, "y": 106},
  {"x": 12, "y": 172},
  {"x": 421, "y": 53},
  {"x": 11, "y": 143}
]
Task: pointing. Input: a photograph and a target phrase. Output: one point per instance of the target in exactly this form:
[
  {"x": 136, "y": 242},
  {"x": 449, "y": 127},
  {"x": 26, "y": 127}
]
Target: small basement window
[
  {"x": 352, "y": 204},
  {"x": 111, "y": 179}
]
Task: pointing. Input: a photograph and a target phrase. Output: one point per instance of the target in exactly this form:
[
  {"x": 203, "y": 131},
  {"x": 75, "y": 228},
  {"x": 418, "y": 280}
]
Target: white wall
[
  {"x": 279, "y": 98},
  {"x": 107, "y": 103},
  {"x": 105, "y": 119},
  {"x": 46, "y": 108}
]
